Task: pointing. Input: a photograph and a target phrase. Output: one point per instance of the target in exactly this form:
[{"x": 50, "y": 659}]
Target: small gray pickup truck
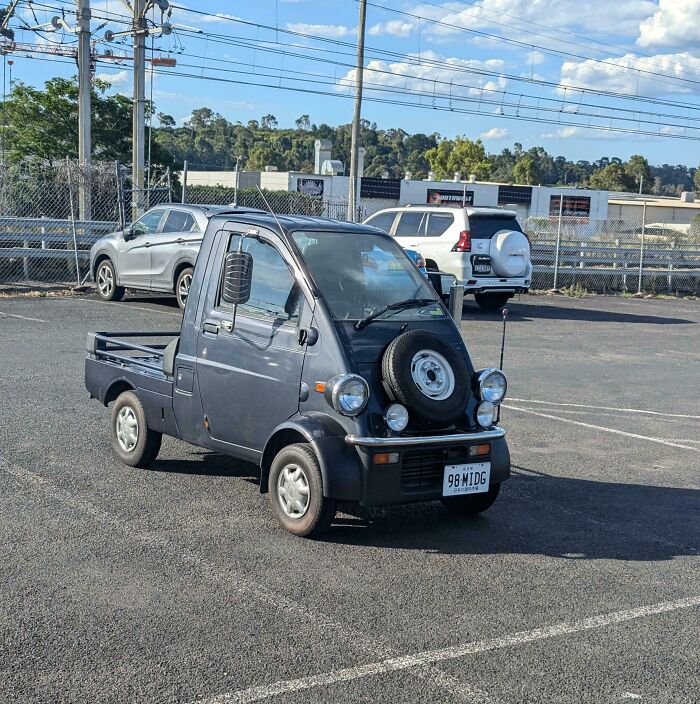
[{"x": 318, "y": 351}]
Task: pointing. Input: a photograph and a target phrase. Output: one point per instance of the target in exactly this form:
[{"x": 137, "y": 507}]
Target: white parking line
[
  {"x": 604, "y": 408},
  {"x": 256, "y": 694},
  {"x": 603, "y": 429},
  {"x": 256, "y": 591},
  {"x": 23, "y": 317}
]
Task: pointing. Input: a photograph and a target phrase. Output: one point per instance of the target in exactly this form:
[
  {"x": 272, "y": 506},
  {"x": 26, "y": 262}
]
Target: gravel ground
[{"x": 176, "y": 585}]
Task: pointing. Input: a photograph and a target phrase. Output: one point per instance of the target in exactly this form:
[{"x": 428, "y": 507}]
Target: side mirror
[
  {"x": 238, "y": 275},
  {"x": 129, "y": 234}
]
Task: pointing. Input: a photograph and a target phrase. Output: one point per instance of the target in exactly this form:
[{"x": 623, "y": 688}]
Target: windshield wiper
[{"x": 400, "y": 305}]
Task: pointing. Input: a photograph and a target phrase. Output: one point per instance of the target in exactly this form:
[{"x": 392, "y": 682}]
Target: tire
[
  {"x": 406, "y": 367},
  {"x": 491, "y": 301},
  {"x": 182, "y": 286},
  {"x": 473, "y": 504},
  {"x": 318, "y": 511},
  {"x": 106, "y": 281},
  {"x": 140, "y": 447}
]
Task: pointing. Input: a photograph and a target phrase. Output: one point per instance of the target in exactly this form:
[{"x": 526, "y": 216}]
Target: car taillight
[{"x": 465, "y": 242}]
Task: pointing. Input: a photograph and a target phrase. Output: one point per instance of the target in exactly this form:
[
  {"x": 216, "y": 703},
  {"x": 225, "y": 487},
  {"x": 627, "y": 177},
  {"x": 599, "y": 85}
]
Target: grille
[{"x": 422, "y": 470}]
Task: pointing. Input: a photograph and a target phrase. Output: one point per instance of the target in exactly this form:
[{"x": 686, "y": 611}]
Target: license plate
[
  {"x": 482, "y": 268},
  {"x": 466, "y": 479}
]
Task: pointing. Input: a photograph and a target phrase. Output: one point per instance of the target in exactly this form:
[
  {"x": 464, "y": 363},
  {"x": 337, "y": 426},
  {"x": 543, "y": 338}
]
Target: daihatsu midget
[{"x": 317, "y": 350}]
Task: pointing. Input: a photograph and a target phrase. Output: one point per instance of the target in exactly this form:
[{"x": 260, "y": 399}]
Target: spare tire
[
  {"x": 428, "y": 376},
  {"x": 510, "y": 253}
]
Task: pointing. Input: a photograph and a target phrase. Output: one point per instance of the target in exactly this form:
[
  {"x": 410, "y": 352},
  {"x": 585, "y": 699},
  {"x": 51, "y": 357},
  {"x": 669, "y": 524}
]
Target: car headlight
[
  {"x": 485, "y": 414},
  {"x": 492, "y": 385},
  {"x": 397, "y": 417},
  {"x": 347, "y": 393}
]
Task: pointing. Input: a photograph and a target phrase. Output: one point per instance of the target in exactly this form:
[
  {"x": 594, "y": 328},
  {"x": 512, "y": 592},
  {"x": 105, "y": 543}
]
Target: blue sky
[{"x": 533, "y": 71}]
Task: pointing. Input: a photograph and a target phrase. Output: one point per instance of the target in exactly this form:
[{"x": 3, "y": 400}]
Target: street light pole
[
  {"x": 140, "y": 31},
  {"x": 355, "y": 143},
  {"x": 84, "y": 113}
]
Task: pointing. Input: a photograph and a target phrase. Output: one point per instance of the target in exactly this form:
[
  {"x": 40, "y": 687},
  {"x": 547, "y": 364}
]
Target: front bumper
[{"x": 418, "y": 475}]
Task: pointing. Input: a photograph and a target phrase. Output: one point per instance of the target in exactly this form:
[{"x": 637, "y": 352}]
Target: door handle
[
  {"x": 212, "y": 328},
  {"x": 180, "y": 240}
]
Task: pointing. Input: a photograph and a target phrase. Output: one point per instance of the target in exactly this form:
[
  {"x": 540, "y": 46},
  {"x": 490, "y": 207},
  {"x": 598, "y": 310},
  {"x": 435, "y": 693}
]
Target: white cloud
[
  {"x": 331, "y": 31},
  {"x": 395, "y": 28},
  {"x": 116, "y": 79},
  {"x": 494, "y": 133},
  {"x": 612, "y": 75},
  {"x": 674, "y": 24},
  {"x": 564, "y": 133},
  {"x": 431, "y": 80}
]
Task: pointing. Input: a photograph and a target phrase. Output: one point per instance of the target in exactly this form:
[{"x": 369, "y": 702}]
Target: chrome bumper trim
[{"x": 494, "y": 434}]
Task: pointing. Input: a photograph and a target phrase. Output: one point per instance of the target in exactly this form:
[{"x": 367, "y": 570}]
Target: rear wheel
[
  {"x": 296, "y": 492},
  {"x": 182, "y": 286},
  {"x": 473, "y": 504},
  {"x": 132, "y": 440},
  {"x": 106, "y": 280},
  {"x": 491, "y": 301}
]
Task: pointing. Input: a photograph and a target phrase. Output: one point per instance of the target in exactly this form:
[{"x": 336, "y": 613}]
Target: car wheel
[
  {"x": 472, "y": 504},
  {"x": 106, "y": 280},
  {"x": 182, "y": 286},
  {"x": 491, "y": 301},
  {"x": 428, "y": 376},
  {"x": 132, "y": 440},
  {"x": 296, "y": 492}
]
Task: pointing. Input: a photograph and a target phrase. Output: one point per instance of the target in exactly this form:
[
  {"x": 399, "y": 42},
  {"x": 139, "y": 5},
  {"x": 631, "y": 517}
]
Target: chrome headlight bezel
[
  {"x": 334, "y": 392},
  {"x": 397, "y": 407},
  {"x": 492, "y": 410},
  {"x": 484, "y": 393}
]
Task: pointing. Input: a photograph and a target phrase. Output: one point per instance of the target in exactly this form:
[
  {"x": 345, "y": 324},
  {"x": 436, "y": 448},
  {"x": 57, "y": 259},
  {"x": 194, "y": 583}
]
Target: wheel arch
[
  {"x": 431, "y": 265},
  {"x": 115, "y": 389},
  {"x": 99, "y": 259},
  {"x": 179, "y": 268}
]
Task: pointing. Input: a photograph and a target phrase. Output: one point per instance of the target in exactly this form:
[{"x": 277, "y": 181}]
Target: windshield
[{"x": 360, "y": 274}]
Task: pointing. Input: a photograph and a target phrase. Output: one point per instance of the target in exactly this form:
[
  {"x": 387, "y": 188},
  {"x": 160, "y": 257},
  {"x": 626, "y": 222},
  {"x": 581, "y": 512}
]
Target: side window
[
  {"x": 383, "y": 221},
  {"x": 274, "y": 292},
  {"x": 148, "y": 224},
  {"x": 438, "y": 223},
  {"x": 411, "y": 224},
  {"x": 179, "y": 221}
]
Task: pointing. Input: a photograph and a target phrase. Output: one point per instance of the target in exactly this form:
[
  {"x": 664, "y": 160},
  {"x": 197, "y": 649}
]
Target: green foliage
[
  {"x": 696, "y": 181},
  {"x": 282, "y": 202},
  {"x": 460, "y": 154}
]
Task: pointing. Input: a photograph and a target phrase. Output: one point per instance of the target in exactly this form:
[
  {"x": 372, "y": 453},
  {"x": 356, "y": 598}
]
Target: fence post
[
  {"x": 184, "y": 181},
  {"x": 556, "y": 253},
  {"x": 670, "y": 267},
  {"x": 641, "y": 247},
  {"x": 170, "y": 185},
  {"x": 72, "y": 222}
]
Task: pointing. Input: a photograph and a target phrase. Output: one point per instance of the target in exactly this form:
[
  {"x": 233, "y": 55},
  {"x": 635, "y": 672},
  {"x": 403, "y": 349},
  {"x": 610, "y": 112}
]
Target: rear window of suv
[{"x": 484, "y": 227}]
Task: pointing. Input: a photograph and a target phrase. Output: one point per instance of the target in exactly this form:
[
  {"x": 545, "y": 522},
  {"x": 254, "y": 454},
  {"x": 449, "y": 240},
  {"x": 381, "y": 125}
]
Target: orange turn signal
[
  {"x": 320, "y": 386},
  {"x": 386, "y": 458},
  {"x": 479, "y": 450}
]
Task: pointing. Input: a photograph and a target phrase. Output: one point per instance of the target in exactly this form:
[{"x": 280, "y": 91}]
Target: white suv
[{"x": 484, "y": 248}]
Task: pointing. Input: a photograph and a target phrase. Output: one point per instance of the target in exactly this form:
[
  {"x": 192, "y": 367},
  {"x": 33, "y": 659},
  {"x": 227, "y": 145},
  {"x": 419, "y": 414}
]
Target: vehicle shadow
[
  {"x": 206, "y": 463},
  {"x": 523, "y": 312},
  {"x": 538, "y": 514}
]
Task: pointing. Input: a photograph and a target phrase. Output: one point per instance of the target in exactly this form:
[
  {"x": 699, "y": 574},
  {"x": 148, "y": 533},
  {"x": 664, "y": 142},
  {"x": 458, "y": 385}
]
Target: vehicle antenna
[{"x": 262, "y": 195}]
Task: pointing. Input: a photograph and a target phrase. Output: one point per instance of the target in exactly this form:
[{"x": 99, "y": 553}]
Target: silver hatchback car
[{"x": 156, "y": 253}]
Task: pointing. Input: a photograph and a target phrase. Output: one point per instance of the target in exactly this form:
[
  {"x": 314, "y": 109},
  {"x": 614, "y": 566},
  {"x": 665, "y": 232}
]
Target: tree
[
  {"x": 460, "y": 155},
  {"x": 696, "y": 180},
  {"x": 268, "y": 122},
  {"x": 526, "y": 170},
  {"x": 637, "y": 172},
  {"x": 610, "y": 178},
  {"x": 303, "y": 123},
  {"x": 167, "y": 122}
]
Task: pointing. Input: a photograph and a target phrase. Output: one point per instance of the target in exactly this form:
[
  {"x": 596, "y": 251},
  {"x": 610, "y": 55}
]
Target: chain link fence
[{"x": 50, "y": 216}]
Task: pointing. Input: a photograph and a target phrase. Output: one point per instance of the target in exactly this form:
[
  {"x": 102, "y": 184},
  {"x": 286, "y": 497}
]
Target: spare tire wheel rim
[{"x": 433, "y": 375}]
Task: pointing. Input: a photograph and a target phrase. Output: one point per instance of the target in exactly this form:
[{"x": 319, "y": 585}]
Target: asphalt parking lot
[{"x": 581, "y": 584}]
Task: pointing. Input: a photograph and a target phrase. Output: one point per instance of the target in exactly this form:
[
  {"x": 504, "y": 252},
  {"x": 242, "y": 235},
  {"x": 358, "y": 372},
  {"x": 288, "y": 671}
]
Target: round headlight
[
  {"x": 492, "y": 385},
  {"x": 348, "y": 394},
  {"x": 485, "y": 414},
  {"x": 396, "y": 417}
]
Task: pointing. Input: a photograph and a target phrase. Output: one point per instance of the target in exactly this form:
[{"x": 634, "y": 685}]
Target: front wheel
[
  {"x": 296, "y": 492},
  {"x": 491, "y": 301},
  {"x": 106, "y": 280},
  {"x": 472, "y": 504},
  {"x": 182, "y": 286}
]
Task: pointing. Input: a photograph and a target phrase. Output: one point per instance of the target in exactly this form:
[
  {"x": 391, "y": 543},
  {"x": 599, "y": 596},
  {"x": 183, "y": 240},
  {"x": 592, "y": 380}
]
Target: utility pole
[
  {"x": 138, "y": 135},
  {"x": 84, "y": 109},
  {"x": 355, "y": 143}
]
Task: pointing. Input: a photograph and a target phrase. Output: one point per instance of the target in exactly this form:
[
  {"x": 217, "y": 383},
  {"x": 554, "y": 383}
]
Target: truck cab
[{"x": 317, "y": 350}]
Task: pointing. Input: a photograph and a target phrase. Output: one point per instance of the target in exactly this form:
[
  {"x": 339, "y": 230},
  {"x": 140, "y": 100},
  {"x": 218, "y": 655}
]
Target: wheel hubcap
[
  {"x": 293, "y": 491},
  {"x": 127, "y": 429},
  {"x": 105, "y": 280},
  {"x": 432, "y": 374},
  {"x": 183, "y": 288}
]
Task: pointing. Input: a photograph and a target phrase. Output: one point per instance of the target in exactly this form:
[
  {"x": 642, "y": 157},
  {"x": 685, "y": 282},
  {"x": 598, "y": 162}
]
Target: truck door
[{"x": 249, "y": 377}]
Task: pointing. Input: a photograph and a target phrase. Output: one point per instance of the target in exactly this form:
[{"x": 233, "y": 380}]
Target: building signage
[
  {"x": 578, "y": 207},
  {"x": 453, "y": 197},
  {"x": 385, "y": 188},
  {"x": 310, "y": 186},
  {"x": 508, "y": 195}
]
